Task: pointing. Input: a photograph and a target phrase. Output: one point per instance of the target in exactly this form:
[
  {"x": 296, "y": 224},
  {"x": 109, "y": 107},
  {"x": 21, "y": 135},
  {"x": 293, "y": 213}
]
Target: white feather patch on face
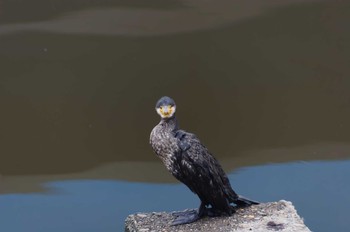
[
  {"x": 166, "y": 111},
  {"x": 158, "y": 111}
]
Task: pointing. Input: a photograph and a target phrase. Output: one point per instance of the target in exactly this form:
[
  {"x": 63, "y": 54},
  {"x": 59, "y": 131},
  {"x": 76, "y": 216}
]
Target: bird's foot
[
  {"x": 187, "y": 211},
  {"x": 189, "y": 216},
  {"x": 185, "y": 217}
]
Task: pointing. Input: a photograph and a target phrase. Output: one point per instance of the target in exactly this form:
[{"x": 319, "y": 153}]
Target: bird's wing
[{"x": 199, "y": 170}]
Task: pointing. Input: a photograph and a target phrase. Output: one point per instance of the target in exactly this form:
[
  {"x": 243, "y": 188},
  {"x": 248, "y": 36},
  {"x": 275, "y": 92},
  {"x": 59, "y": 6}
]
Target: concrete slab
[{"x": 272, "y": 216}]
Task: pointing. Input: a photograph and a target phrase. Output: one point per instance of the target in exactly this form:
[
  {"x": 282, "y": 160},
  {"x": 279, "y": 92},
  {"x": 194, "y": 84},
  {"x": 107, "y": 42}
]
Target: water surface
[
  {"x": 263, "y": 84},
  {"x": 102, "y": 205}
]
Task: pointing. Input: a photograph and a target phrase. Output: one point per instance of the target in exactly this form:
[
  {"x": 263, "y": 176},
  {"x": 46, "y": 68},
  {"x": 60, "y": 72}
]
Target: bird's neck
[{"x": 170, "y": 124}]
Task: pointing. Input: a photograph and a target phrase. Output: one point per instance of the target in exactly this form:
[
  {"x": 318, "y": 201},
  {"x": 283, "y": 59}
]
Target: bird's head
[{"x": 166, "y": 107}]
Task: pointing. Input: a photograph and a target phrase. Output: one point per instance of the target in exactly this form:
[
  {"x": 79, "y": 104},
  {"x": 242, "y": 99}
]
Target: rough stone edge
[{"x": 280, "y": 216}]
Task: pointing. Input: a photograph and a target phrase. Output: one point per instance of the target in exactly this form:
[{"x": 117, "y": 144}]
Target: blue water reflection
[{"x": 322, "y": 198}]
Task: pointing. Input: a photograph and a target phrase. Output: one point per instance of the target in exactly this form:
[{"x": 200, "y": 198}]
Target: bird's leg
[
  {"x": 212, "y": 212},
  {"x": 189, "y": 216},
  {"x": 202, "y": 211}
]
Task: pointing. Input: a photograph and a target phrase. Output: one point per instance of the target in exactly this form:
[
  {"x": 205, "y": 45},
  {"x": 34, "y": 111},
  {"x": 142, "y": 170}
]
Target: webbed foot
[
  {"x": 185, "y": 217},
  {"x": 189, "y": 216},
  {"x": 187, "y": 211}
]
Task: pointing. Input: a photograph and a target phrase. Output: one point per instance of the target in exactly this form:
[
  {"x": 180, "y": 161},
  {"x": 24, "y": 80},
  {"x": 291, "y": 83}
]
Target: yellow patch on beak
[{"x": 166, "y": 111}]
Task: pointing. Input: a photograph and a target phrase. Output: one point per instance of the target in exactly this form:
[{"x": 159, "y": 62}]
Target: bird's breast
[{"x": 164, "y": 145}]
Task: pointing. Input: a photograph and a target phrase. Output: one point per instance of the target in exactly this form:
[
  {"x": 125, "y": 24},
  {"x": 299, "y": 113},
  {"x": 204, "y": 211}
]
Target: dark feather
[
  {"x": 202, "y": 173},
  {"x": 191, "y": 163}
]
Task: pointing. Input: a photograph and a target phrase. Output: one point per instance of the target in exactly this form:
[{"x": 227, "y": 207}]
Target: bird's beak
[{"x": 166, "y": 111}]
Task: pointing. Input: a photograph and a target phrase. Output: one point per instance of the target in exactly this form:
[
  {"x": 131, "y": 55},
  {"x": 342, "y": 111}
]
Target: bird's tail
[{"x": 243, "y": 202}]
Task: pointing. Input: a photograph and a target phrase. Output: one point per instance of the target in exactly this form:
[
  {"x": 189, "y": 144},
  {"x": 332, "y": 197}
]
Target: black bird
[{"x": 189, "y": 161}]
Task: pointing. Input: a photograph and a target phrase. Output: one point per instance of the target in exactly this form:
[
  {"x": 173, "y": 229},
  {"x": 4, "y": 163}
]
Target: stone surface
[{"x": 272, "y": 216}]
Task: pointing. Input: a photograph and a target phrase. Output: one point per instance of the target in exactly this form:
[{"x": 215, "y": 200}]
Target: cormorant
[{"x": 189, "y": 161}]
